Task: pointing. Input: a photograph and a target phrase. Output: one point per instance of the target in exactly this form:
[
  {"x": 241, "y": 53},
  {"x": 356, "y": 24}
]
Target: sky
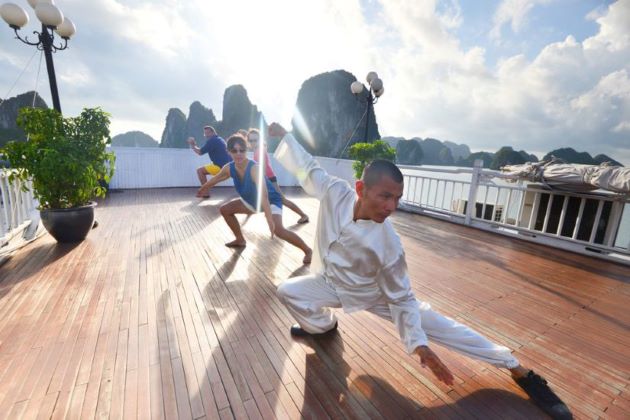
[{"x": 532, "y": 74}]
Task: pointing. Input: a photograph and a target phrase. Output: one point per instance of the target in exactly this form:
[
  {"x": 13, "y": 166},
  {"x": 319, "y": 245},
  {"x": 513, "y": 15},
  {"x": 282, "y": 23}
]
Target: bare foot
[
  {"x": 202, "y": 195},
  {"x": 236, "y": 244},
  {"x": 303, "y": 219},
  {"x": 308, "y": 256}
]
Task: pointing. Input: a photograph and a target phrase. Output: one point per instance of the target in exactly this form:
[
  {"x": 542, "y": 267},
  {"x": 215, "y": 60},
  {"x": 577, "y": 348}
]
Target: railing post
[{"x": 472, "y": 193}]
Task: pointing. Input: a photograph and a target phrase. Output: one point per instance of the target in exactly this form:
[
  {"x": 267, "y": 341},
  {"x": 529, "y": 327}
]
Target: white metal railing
[
  {"x": 586, "y": 223},
  {"x": 16, "y": 207}
]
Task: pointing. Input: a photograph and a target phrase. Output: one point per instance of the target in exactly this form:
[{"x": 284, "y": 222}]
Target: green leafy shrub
[
  {"x": 65, "y": 158},
  {"x": 364, "y": 153}
]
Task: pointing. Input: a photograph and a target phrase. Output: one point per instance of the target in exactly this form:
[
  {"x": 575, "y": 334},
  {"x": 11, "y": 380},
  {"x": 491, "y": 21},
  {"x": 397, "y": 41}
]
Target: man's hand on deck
[
  {"x": 276, "y": 130},
  {"x": 433, "y": 362}
]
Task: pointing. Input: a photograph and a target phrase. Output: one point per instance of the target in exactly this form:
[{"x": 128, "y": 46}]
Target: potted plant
[
  {"x": 364, "y": 153},
  {"x": 66, "y": 160}
]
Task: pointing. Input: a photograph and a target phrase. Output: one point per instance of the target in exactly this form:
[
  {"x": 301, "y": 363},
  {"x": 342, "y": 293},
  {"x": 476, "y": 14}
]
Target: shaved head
[{"x": 377, "y": 169}]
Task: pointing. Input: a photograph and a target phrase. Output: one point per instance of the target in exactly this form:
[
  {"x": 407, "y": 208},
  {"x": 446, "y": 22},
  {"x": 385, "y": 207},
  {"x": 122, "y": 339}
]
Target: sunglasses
[{"x": 235, "y": 150}]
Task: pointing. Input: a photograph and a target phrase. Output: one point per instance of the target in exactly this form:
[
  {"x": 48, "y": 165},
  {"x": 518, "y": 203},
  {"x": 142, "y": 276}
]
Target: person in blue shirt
[
  {"x": 249, "y": 182},
  {"x": 216, "y": 149}
]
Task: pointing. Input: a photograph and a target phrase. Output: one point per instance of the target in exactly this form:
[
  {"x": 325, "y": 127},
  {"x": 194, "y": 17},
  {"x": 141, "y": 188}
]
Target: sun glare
[
  {"x": 300, "y": 125},
  {"x": 262, "y": 146}
]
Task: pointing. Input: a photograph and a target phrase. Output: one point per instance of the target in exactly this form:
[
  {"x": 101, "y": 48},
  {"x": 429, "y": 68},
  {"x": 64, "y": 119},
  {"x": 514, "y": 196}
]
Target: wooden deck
[{"x": 152, "y": 317}]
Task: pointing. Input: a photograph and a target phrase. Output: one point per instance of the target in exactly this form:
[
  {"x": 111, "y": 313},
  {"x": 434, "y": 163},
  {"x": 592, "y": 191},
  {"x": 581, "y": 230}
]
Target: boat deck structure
[{"x": 153, "y": 317}]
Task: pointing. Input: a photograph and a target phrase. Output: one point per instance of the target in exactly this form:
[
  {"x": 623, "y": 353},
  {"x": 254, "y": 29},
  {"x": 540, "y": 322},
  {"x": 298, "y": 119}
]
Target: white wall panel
[{"x": 152, "y": 167}]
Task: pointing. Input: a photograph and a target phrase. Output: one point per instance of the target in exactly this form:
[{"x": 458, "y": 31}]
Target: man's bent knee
[
  {"x": 286, "y": 291},
  {"x": 281, "y": 292}
]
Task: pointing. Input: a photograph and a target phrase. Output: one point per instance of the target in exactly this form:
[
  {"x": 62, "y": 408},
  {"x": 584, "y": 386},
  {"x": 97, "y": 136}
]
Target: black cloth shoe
[
  {"x": 538, "y": 390},
  {"x": 297, "y": 331}
]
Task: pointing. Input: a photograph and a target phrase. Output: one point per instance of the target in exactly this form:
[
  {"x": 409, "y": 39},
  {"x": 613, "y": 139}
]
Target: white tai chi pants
[{"x": 310, "y": 299}]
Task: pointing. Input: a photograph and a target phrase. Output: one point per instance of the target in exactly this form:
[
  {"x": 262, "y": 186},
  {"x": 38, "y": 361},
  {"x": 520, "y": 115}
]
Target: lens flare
[
  {"x": 300, "y": 125},
  {"x": 262, "y": 148}
]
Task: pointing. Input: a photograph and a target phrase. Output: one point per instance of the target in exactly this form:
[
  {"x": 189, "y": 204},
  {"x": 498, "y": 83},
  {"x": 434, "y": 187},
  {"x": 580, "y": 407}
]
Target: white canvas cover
[{"x": 572, "y": 177}]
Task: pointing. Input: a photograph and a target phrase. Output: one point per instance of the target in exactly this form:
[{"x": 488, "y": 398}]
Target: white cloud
[
  {"x": 137, "y": 59},
  {"x": 571, "y": 94},
  {"x": 513, "y": 12},
  {"x": 614, "y": 33}
]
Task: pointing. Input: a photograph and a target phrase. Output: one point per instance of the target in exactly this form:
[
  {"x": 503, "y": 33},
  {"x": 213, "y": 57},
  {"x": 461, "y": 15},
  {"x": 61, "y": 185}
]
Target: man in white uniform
[{"x": 359, "y": 264}]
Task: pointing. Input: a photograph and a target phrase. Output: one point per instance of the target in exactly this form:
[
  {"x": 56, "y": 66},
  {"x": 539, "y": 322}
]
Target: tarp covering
[{"x": 572, "y": 177}]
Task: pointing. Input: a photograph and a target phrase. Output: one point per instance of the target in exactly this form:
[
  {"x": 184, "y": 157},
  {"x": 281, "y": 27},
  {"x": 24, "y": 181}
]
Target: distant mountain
[
  {"x": 9, "y": 130},
  {"x": 469, "y": 161},
  {"x": 601, "y": 158},
  {"x": 529, "y": 157},
  {"x": 174, "y": 134},
  {"x": 238, "y": 112},
  {"x": 507, "y": 156},
  {"x": 393, "y": 141},
  {"x": 569, "y": 155},
  {"x": 458, "y": 151},
  {"x": 198, "y": 117},
  {"x": 330, "y": 117},
  {"x": 134, "y": 139},
  {"x": 409, "y": 152},
  {"x": 431, "y": 151},
  {"x": 436, "y": 153}
]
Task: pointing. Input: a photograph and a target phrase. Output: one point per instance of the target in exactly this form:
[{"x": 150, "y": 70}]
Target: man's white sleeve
[
  {"x": 394, "y": 283},
  {"x": 292, "y": 156}
]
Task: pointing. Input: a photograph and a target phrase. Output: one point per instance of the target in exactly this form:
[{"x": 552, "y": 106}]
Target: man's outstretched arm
[
  {"x": 193, "y": 145},
  {"x": 433, "y": 362},
  {"x": 405, "y": 311},
  {"x": 292, "y": 156}
]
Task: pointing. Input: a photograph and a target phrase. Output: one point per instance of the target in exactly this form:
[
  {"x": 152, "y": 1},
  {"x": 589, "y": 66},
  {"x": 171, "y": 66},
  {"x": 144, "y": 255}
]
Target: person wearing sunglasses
[
  {"x": 253, "y": 138},
  {"x": 245, "y": 175}
]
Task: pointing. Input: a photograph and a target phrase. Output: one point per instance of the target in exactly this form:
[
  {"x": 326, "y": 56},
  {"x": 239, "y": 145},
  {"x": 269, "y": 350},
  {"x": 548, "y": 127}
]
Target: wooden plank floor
[{"x": 152, "y": 317}]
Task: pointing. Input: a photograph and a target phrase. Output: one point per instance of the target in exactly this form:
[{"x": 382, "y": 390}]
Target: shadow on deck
[{"x": 152, "y": 316}]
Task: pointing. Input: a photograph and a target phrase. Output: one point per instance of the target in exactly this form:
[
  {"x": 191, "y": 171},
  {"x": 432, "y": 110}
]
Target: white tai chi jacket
[{"x": 362, "y": 259}]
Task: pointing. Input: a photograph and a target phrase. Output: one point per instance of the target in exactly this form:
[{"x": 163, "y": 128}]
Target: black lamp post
[
  {"x": 52, "y": 20},
  {"x": 374, "y": 92}
]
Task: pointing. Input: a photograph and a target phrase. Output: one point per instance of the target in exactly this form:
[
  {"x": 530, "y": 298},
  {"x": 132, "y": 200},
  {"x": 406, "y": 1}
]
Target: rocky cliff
[
  {"x": 9, "y": 111},
  {"x": 416, "y": 151},
  {"x": 238, "y": 112},
  {"x": 198, "y": 117},
  {"x": 436, "y": 153},
  {"x": 174, "y": 134},
  {"x": 134, "y": 139},
  {"x": 458, "y": 151},
  {"x": 409, "y": 152},
  {"x": 570, "y": 155},
  {"x": 329, "y": 116}
]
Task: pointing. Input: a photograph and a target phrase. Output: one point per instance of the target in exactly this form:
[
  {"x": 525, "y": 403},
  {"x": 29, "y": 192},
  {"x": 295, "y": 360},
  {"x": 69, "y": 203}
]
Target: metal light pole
[
  {"x": 52, "y": 19},
  {"x": 374, "y": 92}
]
